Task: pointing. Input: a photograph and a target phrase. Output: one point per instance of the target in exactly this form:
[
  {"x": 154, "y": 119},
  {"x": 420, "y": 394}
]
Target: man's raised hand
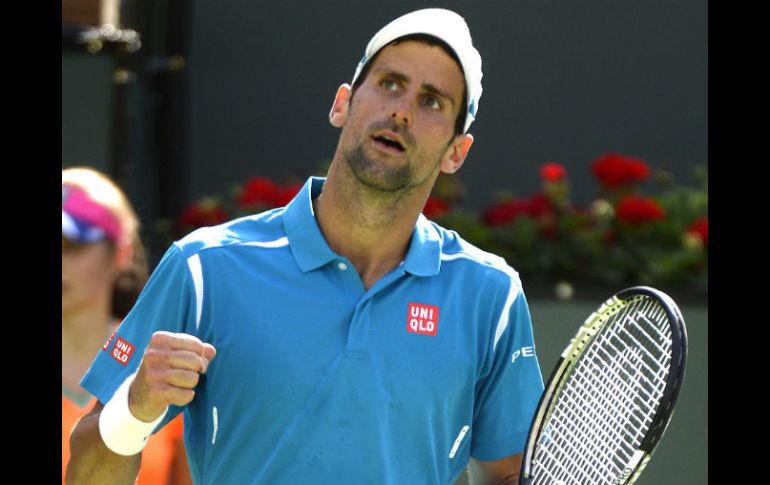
[{"x": 168, "y": 374}]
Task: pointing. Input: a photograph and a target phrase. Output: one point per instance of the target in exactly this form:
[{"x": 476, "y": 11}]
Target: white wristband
[{"x": 120, "y": 430}]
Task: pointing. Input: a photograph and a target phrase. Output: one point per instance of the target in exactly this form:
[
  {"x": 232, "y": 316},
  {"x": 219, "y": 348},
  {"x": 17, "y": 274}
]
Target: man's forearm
[
  {"x": 498, "y": 472},
  {"x": 92, "y": 463}
]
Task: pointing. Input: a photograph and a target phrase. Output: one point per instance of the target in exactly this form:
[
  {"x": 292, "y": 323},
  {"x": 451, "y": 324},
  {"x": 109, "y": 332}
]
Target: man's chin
[
  {"x": 383, "y": 175},
  {"x": 383, "y": 182}
]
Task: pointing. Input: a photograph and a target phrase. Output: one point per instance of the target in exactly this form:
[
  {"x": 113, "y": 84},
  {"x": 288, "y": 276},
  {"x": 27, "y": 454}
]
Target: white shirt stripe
[
  {"x": 194, "y": 262},
  {"x": 451, "y": 257},
  {"x": 502, "y": 324},
  {"x": 513, "y": 291},
  {"x": 459, "y": 440},
  {"x": 278, "y": 243}
]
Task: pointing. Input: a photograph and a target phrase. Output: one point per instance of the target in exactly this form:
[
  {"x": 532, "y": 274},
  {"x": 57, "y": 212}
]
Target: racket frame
[{"x": 571, "y": 356}]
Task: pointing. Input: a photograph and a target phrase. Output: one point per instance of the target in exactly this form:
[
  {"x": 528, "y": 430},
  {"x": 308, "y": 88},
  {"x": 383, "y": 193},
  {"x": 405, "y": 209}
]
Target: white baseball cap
[{"x": 445, "y": 25}]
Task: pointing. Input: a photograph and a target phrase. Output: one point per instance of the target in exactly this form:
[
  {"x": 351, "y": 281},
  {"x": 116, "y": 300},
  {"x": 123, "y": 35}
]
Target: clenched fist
[{"x": 169, "y": 372}]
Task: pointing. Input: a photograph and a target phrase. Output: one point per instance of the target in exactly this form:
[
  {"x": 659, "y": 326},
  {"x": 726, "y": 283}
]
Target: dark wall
[
  {"x": 563, "y": 80},
  {"x": 86, "y": 109}
]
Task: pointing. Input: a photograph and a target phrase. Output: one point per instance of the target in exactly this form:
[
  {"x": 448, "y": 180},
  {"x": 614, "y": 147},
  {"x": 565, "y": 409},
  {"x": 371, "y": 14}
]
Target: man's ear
[
  {"x": 456, "y": 153},
  {"x": 339, "y": 113}
]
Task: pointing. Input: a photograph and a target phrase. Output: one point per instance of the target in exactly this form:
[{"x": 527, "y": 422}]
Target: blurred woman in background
[{"x": 104, "y": 268}]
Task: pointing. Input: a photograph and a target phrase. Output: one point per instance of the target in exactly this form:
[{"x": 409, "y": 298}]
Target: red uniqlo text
[
  {"x": 122, "y": 351},
  {"x": 422, "y": 319}
]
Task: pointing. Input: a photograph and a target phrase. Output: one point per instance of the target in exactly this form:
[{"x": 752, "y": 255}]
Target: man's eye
[
  {"x": 432, "y": 102},
  {"x": 388, "y": 84}
]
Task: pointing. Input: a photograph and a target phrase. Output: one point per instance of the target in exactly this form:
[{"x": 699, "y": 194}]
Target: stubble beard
[
  {"x": 378, "y": 175},
  {"x": 383, "y": 176}
]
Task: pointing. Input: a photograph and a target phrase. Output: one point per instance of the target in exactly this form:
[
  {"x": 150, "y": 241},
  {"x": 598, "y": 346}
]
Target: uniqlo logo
[
  {"x": 422, "y": 319},
  {"x": 122, "y": 351}
]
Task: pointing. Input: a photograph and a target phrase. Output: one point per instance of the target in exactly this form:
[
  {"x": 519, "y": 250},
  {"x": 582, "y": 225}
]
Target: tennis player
[{"x": 343, "y": 338}]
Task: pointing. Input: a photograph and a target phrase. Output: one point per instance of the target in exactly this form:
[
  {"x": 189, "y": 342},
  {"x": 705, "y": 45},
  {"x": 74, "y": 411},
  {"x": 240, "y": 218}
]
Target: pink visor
[{"x": 84, "y": 220}]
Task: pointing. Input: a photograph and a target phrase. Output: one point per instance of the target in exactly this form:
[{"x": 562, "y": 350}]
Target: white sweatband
[{"x": 120, "y": 430}]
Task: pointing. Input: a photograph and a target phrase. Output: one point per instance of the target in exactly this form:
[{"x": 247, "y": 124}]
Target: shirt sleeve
[
  {"x": 167, "y": 302},
  {"x": 508, "y": 396}
]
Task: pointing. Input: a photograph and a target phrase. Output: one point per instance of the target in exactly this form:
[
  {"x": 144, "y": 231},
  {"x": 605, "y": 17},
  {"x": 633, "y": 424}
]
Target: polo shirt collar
[
  {"x": 311, "y": 251},
  {"x": 424, "y": 255},
  {"x": 306, "y": 241}
]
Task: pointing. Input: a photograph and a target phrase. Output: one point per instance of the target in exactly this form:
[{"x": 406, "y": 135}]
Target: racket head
[{"x": 637, "y": 342}]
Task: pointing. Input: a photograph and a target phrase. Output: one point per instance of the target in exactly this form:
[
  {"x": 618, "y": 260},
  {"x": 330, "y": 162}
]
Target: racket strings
[
  {"x": 634, "y": 376},
  {"x": 609, "y": 400},
  {"x": 576, "y": 416}
]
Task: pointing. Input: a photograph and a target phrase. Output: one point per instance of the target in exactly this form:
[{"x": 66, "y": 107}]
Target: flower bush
[
  {"x": 622, "y": 237},
  {"x": 257, "y": 194}
]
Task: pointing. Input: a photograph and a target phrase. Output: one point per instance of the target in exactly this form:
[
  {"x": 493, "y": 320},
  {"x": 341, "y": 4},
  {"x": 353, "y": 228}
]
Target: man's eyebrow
[
  {"x": 430, "y": 88},
  {"x": 398, "y": 75},
  {"x": 434, "y": 90}
]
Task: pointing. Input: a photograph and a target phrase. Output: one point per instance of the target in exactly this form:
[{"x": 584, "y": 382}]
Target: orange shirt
[{"x": 157, "y": 457}]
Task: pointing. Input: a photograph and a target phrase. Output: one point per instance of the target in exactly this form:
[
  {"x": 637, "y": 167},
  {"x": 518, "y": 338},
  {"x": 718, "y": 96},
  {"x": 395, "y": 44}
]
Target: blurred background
[{"x": 588, "y": 173}]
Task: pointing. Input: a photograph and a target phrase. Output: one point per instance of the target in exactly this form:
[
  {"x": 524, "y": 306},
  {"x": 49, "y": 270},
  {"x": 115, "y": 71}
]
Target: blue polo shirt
[{"x": 320, "y": 381}]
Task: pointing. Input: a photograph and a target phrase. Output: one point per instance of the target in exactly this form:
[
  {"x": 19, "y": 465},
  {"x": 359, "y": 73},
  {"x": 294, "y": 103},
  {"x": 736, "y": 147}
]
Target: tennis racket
[{"x": 611, "y": 395}]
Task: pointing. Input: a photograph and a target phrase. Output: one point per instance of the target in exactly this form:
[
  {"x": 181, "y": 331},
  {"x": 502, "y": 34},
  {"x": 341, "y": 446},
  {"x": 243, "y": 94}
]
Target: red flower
[
  {"x": 614, "y": 170},
  {"x": 505, "y": 212},
  {"x": 258, "y": 191},
  {"x": 538, "y": 205},
  {"x": 434, "y": 208},
  {"x": 539, "y": 208},
  {"x": 204, "y": 213},
  {"x": 635, "y": 209},
  {"x": 637, "y": 170},
  {"x": 701, "y": 229},
  {"x": 285, "y": 194},
  {"x": 553, "y": 172}
]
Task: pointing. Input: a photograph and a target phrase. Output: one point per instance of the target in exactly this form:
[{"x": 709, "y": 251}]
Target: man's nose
[{"x": 402, "y": 112}]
